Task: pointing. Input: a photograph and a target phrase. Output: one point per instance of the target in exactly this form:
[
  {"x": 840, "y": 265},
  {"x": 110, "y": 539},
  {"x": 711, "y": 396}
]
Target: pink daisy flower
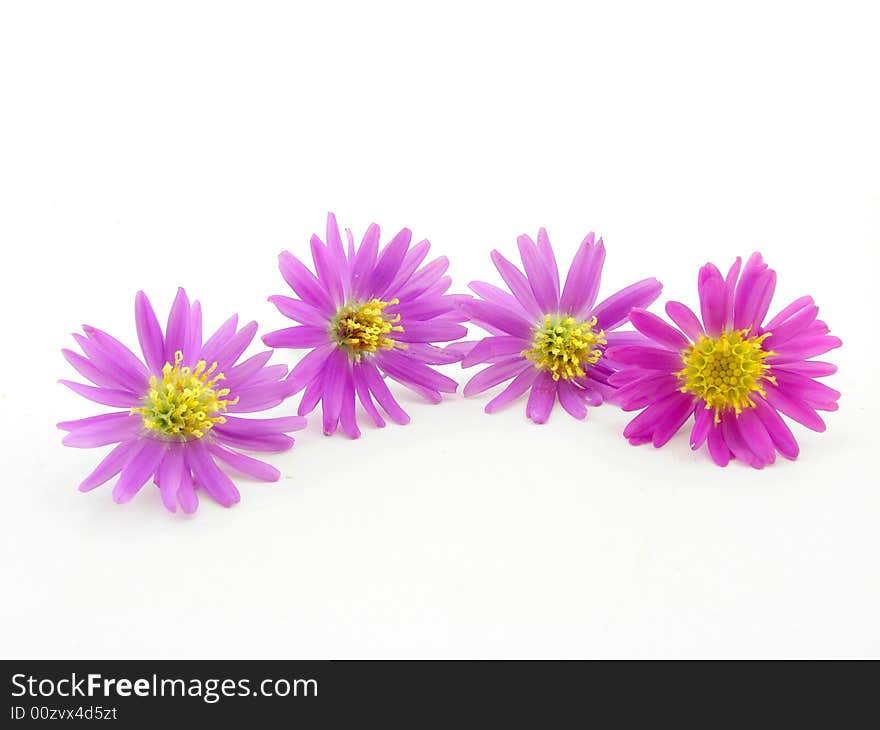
[
  {"x": 367, "y": 314},
  {"x": 547, "y": 340},
  {"x": 176, "y": 424},
  {"x": 731, "y": 372}
]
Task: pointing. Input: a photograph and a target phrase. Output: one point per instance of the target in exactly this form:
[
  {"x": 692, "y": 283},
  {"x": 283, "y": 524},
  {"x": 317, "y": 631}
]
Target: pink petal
[
  {"x": 245, "y": 464},
  {"x": 518, "y": 285},
  {"x": 652, "y": 326},
  {"x": 139, "y": 468},
  {"x": 328, "y": 270},
  {"x": 495, "y": 374},
  {"x": 209, "y": 476},
  {"x": 299, "y": 311},
  {"x": 347, "y": 417},
  {"x": 363, "y": 394},
  {"x": 686, "y": 320},
  {"x": 170, "y": 476},
  {"x": 111, "y": 465},
  {"x": 778, "y": 430},
  {"x": 572, "y": 399},
  {"x": 519, "y": 385},
  {"x": 381, "y": 393},
  {"x": 149, "y": 333},
  {"x": 584, "y": 275},
  {"x": 337, "y": 372},
  {"x": 539, "y": 278},
  {"x": 104, "y": 396},
  {"x": 755, "y": 435},
  {"x": 102, "y": 430},
  {"x": 541, "y": 398},
  {"x": 710, "y": 287},
  {"x": 178, "y": 326},
  {"x": 305, "y": 283},
  {"x": 297, "y": 337},
  {"x": 704, "y": 421},
  {"x": 492, "y": 347},
  {"x": 614, "y": 311},
  {"x": 717, "y": 447}
]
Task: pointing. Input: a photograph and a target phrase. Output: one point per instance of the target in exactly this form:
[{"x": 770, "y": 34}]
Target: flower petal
[
  {"x": 104, "y": 396},
  {"x": 139, "y": 468},
  {"x": 541, "y": 398},
  {"x": 614, "y": 311},
  {"x": 178, "y": 326},
  {"x": 504, "y": 319},
  {"x": 704, "y": 421},
  {"x": 778, "y": 430},
  {"x": 209, "y": 476},
  {"x": 299, "y": 311},
  {"x": 111, "y": 465},
  {"x": 519, "y": 385},
  {"x": 736, "y": 443},
  {"x": 495, "y": 374},
  {"x": 170, "y": 475},
  {"x": 718, "y": 447},
  {"x": 364, "y": 262},
  {"x": 389, "y": 262},
  {"x": 686, "y": 320},
  {"x": 584, "y": 278},
  {"x": 652, "y": 326},
  {"x": 710, "y": 287},
  {"x": 337, "y": 372},
  {"x": 328, "y": 271},
  {"x": 435, "y": 330},
  {"x": 102, "y": 430},
  {"x": 347, "y": 417},
  {"x": 490, "y": 348},
  {"x": 545, "y": 250},
  {"x": 408, "y": 371},
  {"x": 788, "y": 311},
  {"x": 649, "y": 358},
  {"x": 803, "y": 348},
  {"x": 305, "y": 370},
  {"x": 572, "y": 399},
  {"x": 363, "y": 394},
  {"x": 297, "y": 337},
  {"x": 539, "y": 278},
  {"x": 304, "y": 283},
  {"x": 518, "y": 285},
  {"x": 245, "y": 464},
  {"x": 381, "y": 393},
  {"x": 149, "y": 333},
  {"x": 673, "y": 420},
  {"x": 752, "y": 430},
  {"x": 794, "y": 408}
]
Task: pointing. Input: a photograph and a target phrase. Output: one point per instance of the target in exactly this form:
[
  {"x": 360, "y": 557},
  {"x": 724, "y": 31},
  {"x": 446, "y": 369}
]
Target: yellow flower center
[
  {"x": 563, "y": 346},
  {"x": 726, "y": 371},
  {"x": 185, "y": 404},
  {"x": 361, "y": 328}
]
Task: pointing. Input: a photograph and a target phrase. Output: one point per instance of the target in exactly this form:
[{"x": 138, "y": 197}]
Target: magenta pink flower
[
  {"x": 367, "y": 314},
  {"x": 549, "y": 341},
  {"x": 175, "y": 425},
  {"x": 731, "y": 372}
]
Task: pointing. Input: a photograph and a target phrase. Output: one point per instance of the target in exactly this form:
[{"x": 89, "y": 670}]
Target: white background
[{"x": 164, "y": 144}]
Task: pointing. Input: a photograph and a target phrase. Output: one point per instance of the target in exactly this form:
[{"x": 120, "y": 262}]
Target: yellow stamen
[
  {"x": 361, "y": 328},
  {"x": 564, "y": 346},
  {"x": 185, "y": 404},
  {"x": 726, "y": 371}
]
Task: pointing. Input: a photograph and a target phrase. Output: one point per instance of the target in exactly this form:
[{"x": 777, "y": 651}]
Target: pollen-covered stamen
[
  {"x": 726, "y": 371},
  {"x": 361, "y": 328},
  {"x": 565, "y": 346},
  {"x": 185, "y": 404}
]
